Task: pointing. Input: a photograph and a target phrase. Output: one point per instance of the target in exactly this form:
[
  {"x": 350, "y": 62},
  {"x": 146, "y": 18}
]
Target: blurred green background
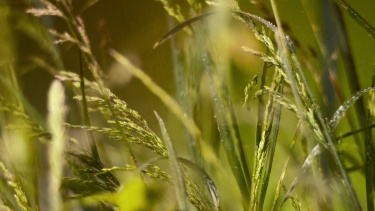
[{"x": 133, "y": 27}]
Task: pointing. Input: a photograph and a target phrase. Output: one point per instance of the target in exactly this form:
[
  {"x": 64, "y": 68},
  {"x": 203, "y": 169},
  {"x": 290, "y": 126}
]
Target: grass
[{"x": 278, "y": 146}]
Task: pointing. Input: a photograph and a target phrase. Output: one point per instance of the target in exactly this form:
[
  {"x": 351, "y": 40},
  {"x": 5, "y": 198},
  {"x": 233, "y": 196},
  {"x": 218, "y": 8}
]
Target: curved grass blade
[
  {"x": 159, "y": 92},
  {"x": 343, "y": 108},
  {"x": 207, "y": 179},
  {"x": 353, "y": 132},
  {"x": 177, "y": 174},
  {"x": 181, "y": 26}
]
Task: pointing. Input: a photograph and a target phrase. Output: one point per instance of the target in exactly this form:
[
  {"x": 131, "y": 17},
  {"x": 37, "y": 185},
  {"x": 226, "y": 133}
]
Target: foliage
[{"x": 94, "y": 151}]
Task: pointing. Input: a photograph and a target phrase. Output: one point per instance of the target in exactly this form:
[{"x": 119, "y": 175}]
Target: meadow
[{"x": 187, "y": 105}]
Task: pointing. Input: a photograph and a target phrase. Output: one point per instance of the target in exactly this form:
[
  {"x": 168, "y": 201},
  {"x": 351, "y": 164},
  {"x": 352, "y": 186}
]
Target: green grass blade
[
  {"x": 343, "y": 108},
  {"x": 159, "y": 92},
  {"x": 345, "y": 135},
  {"x": 369, "y": 149},
  {"x": 357, "y": 17},
  {"x": 261, "y": 106},
  {"x": 229, "y": 137},
  {"x": 177, "y": 174},
  {"x": 185, "y": 99},
  {"x": 273, "y": 138},
  {"x": 207, "y": 179},
  {"x": 86, "y": 116},
  {"x": 182, "y": 25}
]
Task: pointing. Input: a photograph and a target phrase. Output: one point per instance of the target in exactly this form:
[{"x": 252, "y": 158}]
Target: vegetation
[{"x": 298, "y": 137}]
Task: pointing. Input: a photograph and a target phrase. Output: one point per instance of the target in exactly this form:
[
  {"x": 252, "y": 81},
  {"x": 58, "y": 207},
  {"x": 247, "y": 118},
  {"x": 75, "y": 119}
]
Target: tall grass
[{"x": 276, "y": 148}]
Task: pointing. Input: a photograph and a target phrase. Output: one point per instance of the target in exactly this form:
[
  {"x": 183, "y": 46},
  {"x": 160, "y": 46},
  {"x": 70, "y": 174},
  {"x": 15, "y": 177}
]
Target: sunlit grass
[{"x": 277, "y": 149}]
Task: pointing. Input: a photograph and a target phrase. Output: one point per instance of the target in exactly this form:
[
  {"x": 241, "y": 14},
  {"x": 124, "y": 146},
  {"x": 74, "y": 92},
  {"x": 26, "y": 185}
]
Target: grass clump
[{"x": 274, "y": 146}]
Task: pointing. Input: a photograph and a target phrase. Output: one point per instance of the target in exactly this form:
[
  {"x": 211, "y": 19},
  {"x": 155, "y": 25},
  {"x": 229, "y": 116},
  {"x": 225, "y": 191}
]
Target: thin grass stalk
[
  {"x": 345, "y": 135},
  {"x": 240, "y": 146},
  {"x": 177, "y": 174},
  {"x": 260, "y": 119},
  {"x": 329, "y": 139},
  {"x": 261, "y": 107},
  {"x": 369, "y": 154}
]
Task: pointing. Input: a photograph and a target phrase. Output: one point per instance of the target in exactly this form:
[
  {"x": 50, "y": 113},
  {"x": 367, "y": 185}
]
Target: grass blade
[
  {"x": 86, "y": 116},
  {"x": 159, "y": 92},
  {"x": 207, "y": 179},
  {"x": 343, "y": 108},
  {"x": 369, "y": 149},
  {"x": 273, "y": 137},
  {"x": 180, "y": 26},
  {"x": 353, "y": 132},
  {"x": 179, "y": 186},
  {"x": 357, "y": 17},
  {"x": 228, "y": 134}
]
